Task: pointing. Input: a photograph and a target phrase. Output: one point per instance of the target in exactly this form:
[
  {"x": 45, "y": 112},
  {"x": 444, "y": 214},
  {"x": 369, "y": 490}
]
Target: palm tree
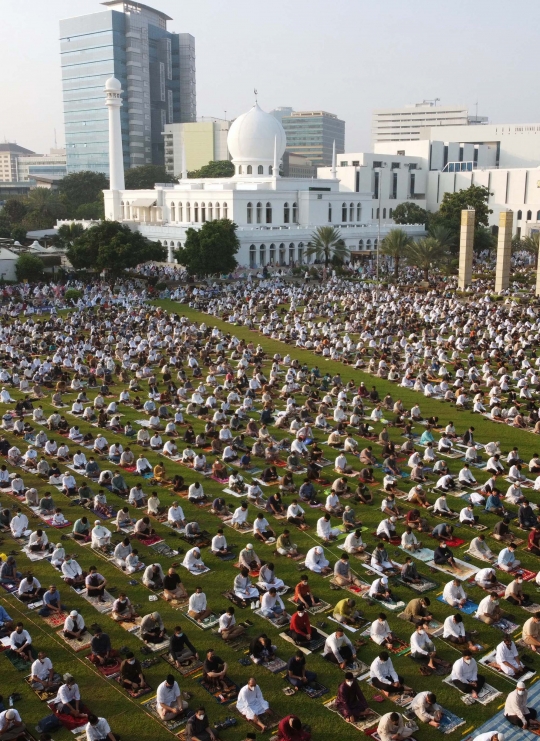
[
  {"x": 444, "y": 236},
  {"x": 67, "y": 234},
  {"x": 395, "y": 245},
  {"x": 44, "y": 208},
  {"x": 531, "y": 244},
  {"x": 425, "y": 254},
  {"x": 326, "y": 242}
]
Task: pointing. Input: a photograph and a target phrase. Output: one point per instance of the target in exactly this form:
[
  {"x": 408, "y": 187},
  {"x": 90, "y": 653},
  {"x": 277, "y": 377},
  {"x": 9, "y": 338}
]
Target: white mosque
[{"x": 276, "y": 216}]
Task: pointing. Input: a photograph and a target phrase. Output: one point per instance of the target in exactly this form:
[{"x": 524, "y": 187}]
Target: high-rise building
[
  {"x": 313, "y": 133},
  {"x": 52, "y": 165},
  {"x": 201, "y": 142},
  {"x": 9, "y": 161},
  {"x": 156, "y": 69},
  {"x": 404, "y": 124}
]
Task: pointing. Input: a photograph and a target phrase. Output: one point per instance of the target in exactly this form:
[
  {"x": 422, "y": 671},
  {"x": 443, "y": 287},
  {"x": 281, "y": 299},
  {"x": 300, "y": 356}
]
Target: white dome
[
  {"x": 252, "y": 136},
  {"x": 113, "y": 85}
]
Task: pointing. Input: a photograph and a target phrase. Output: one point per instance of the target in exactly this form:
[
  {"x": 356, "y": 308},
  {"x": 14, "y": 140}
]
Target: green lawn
[{"x": 125, "y": 715}]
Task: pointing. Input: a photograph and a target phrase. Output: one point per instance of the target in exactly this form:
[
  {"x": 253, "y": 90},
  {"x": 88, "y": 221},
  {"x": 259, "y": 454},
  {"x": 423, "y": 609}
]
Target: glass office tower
[
  {"x": 312, "y": 134},
  {"x": 155, "y": 67}
]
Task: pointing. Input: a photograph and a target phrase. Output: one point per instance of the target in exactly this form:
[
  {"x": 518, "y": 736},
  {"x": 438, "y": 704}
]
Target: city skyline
[{"x": 366, "y": 58}]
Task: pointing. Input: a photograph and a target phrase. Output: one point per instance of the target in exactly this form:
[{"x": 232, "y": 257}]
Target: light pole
[{"x": 379, "y": 189}]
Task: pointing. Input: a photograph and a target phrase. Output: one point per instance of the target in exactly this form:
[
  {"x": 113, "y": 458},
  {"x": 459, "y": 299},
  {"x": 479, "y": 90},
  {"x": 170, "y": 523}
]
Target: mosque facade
[{"x": 275, "y": 216}]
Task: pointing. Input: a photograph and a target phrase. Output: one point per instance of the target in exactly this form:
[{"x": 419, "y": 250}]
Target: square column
[
  {"x": 504, "y": 251},
  {"x": 466, "y": 240}
]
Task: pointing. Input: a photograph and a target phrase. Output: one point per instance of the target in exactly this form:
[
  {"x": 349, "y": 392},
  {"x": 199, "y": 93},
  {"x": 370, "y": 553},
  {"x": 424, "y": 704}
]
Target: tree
[
  {"x": 44, "y": 208},
  {"x": 425, "y": 254},
  {"x": 214, "y": 169},
  {"x": 67, "y": 234},
  {"x": 18, "y": 233},
  {"x": 15, "y": 210},
  {"x": 395, "y": 245},
  {"x": 146, "y": 176},
  {"x": 410, "y": 213},
  {"x": 476, "y": 196},
  {"x": 326, "y": 243},
  {"x": 530, "y": 244},
  {"x": 29, "y": 267},
  {"x": 113, "y": 247},
  {"x": 91, "y": 211},
  {"x": 484, "y": 239},
  {"x": 210, "y": 249},
  {"x": 82, "y": 187}
]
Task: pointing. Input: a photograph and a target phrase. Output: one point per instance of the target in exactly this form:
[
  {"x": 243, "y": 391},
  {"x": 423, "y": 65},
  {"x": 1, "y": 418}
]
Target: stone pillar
[
  {"x": 504, "y": 251},
  {"x": 466, "y": 248}
]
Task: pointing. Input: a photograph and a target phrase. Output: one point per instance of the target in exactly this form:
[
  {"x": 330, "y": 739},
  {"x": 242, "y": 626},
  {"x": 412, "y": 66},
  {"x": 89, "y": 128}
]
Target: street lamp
[{"x": 378, "y": 169}]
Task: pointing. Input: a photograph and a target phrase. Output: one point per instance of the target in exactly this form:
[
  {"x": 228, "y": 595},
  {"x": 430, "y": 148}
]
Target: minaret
[
  {"x": 113, "y": 92},
  {"x": 333, "y": 171},
  {"x": 275, "y": 167}
]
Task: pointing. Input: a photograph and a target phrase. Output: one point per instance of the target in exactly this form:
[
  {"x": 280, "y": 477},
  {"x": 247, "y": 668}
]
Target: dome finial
[{"x": 255, "y": 91}]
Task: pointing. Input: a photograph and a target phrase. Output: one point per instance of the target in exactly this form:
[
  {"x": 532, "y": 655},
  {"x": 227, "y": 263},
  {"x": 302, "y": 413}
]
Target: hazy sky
[{"x": 343, "y": 56}]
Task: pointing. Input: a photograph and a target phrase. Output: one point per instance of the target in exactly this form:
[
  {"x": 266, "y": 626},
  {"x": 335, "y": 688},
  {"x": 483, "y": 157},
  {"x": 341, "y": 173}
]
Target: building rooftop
[
  {"x": 137, "y": 7},
  {"x": 14, "y": 148}
]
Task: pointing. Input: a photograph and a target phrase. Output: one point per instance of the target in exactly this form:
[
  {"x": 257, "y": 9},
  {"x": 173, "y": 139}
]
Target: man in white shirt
[
  {"x": 384, "y": 677},
  {"x": 324, "y": 529},
  {"x": 465, "y": 675},
  {"x": 516, "y": 711},
  {"x": 169, "y": 703},
  {"x": 454, "y": 632},
  {"x": 239, "y": 518},
  {"x": 425, "y": 706},
  {"x": 68, "y": 699},
  {"x": 338, "y": 649},
  {"x": 175, "y": 516},
  {"x": 197, "y": 608},
  {"x": 252, "y": 704},
  {"x": 97, "y": 729},
  {"x": 507, "y": 658},
  {"x": 380, "y": 632},
  {"x": 315, "y": 560},
  {"x": 18, "y": 524},
  {"x": 42, "y": 675}
]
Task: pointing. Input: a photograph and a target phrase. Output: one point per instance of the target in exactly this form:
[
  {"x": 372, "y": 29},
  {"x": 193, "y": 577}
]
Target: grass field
[{"x": 125, "y": 714}]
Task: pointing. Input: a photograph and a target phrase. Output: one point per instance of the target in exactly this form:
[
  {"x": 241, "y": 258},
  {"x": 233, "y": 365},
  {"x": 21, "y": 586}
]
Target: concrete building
[
  {"x": 296, "y": 166},
  {"x": 280, "y": 112},
  {"x": 202, "y": 142},
  {"x": 34, "y": 166},
  {"x": 276, "y": 216},
  {"x": 312, "y": 134},
  {"x": 156, "y": 69},
  {"x": 9, "y": 161},
  {"x": 405, "y": 124}
]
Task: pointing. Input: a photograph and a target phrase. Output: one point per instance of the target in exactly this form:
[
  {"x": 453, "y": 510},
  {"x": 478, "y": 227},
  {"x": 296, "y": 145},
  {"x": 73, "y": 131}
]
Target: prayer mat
[
  {"x": 144, "y": 691},
  {"x": 197, "y": 573},
  {"x": 102, "y": 607},
  {"x": 238, "y": 601},
  {"x": 486, "y": 695},
  {"x": 68, "y": 721},
  {"x": 188, "y": 666},
  {"x": 310, "y": 647},
  {"x": 162, "y": 549},
  {"x": 73, "y": 643},
  {"x": 176, "y": 604},
  {"x": 36, "y": 555},
  {"x": 224, "y": 697},
  {"x": 359, "y": 624},
  {"x": 269, "y": 718},
  {"x": 498, "y": 722},
  {"x": 18, "y": 661},
  {"x": 274, "y": 666},
  {"x": 151, "y": 707},
  {"x": 371, "y": 716},
  {"x": 199, "y": 541},
  {"x": 485, "y": 559},
  {"x": 205, "y": 624},
  {"x": 507, "y": 626},
  {"x": 388, "y": 605},
  {"x": 426, "y": 585},
  {"x": 130, "y": 626},
  {"x": 489, "y": 661},
  {"x": 449, "y": 722},
  {"x": 424, "y": 554},
  {"x": 454, "y": 542},
  {"x": 314, "y": 690},
  {"x": 278, "y": 622},
  {"x": 154, "y": 647},
  {"x": 534, "y": 607},
  {"x": 359, "y": 591},
  {"x": 357, "y": 668},
  {"x": 402, "y": 700},
  {"x": 499, "y": 588},
  {"x": 398, "y": 646},
  {"x": 56, "y": 619},
  {"x": 468, "y": 608},
  {"x": 45, "y": 694},
  {"x": 466, "y": 570},
  {"x": 152, "y": 540}
]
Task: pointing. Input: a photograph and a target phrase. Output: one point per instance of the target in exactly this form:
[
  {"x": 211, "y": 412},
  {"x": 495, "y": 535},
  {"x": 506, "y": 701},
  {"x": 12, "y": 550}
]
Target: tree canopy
[
  {"x": 395, "y": 245},
  {"x": 113, "y": 247},
  {"x": 44, "y": 207},
  {"x": 214, "y": 169},
  {"x": 146, "y": 176},
  {"x": 425, "y": 254},
  {"x": 81, "y": 188},
  {"x": 210, "y": 249},
  {"x": 67, "y": 234},
  {"x": 452, "y": 204},
  {"x": 29, "y": 267},
  {"x": 327, "y": 244},
  {"x": 410, "y": 213}
]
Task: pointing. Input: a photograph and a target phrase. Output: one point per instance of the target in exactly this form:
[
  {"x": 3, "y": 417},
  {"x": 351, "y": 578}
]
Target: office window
[
  {"x": 162, "y": 81},
  {"x": 377, "y": 163},
  {"x": 384, "y": 213},
  {"x": 170, "y": 105},
  {"x": 538, "y": 216},
  {"x": 291, "y": 254},
  {"x": 412, "y": 184},
  {"x": 343, "y": 164},
  {"x": 377, "y": 216},
  {"x": 356, "y": 163},
  {"x": 394, "y": 185},
  {"x": 259, "y": 213},
  {"x": 249, "y": 213},
  {"x": 269, "y": 213},
  {"x": 390, "y": 212},
  {"x": 239, "y": 169},
  {"x": 286, "y": 213},
  {"x": 301, "y": 253},
  {"x": 360, "y": 244}
]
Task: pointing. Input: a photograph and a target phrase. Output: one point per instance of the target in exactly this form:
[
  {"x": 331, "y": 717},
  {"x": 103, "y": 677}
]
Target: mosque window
[
  {"x": 218, "y": 211},
  {"x": 123, "y": 211},
  {"x": 268, "y": 213},
  {"x": 179, "y": 244},
  {"x": 259, "y": 213},
  {"x": 250, "y": 213},
  {"x": 291, "y": 254},
  {"x": 378, "y": 212},
  {"x": 180, "y": 212},
  {"x": 301, "y": 253},
  {"x": 360, "y": 244},
  {"x": 173, "y": 212},
  {"x": 286, "y": 213},
  {"x": 225, "y": 211},
  {"x": 252, "y": 256},
  {"x": 210, "y": 210},
  {"x": 239, "y": 169},
  {"x": 329, "y": 213},
  {"x": 260, "y": 170},
  {"x": 519, "y": 215},
  {"x": 358, "y": 211},
  {"x": 384, "y": 213},
  {"x": 390, "y": 212},
  {"x": 203, "y": 212},
  {"x": 249, "y": 170},
  {"x": 351, "y": 212},
  {"x": 272, "y": 254},
  {"x": 368, "y": 244},
  {"x": 282, "y": 254},
  {"x": 270, "y": 170},
  {"x": 262, "y": 255},
  {"x": 344, "y": 212},
  {"x": 188, "y": 211},
  {"x": 195, "y": 212},
  {"x": 538, "y": 216},
  {"x": 529, "y": 215},
  {"x": 295, "y": 213}
]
